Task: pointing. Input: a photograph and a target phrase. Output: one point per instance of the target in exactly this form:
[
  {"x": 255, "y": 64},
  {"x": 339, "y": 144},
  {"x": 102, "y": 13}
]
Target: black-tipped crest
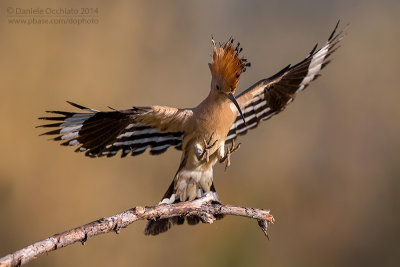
[{"x": 227, "y": 65}]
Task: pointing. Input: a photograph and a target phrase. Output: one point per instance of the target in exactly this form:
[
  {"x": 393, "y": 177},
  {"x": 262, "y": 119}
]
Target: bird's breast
[{"x": 209, "y": 126}]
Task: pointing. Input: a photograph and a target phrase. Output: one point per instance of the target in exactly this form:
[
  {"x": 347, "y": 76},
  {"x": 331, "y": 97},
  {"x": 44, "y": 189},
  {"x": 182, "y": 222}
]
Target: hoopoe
[{"x": 202, "y": 133}]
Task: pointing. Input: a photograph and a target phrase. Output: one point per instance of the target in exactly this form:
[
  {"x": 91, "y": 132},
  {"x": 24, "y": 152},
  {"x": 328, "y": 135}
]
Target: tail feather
[
  {"x": 158, "y": 226},
  {"x": 192, "y": 220}
]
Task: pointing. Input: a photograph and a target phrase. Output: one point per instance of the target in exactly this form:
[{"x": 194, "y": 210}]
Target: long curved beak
[{"x": 233, "y": 99}]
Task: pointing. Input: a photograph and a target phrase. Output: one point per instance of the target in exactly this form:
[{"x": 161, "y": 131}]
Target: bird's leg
[
  {"x": 206, "y": 150},
  {"x": 229, "y": 151}
]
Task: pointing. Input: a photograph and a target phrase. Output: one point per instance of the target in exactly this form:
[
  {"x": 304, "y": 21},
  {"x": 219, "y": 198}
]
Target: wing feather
[
  {"x": 132, "y": 131},
  {"x": 270, "y": 96}
]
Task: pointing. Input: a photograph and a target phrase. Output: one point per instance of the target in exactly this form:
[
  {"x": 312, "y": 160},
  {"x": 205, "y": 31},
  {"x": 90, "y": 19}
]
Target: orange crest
[{"x": 227, "y": 66}]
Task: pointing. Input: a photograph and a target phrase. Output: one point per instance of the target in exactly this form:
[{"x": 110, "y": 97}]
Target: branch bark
[{"x": 202, "y": 207}]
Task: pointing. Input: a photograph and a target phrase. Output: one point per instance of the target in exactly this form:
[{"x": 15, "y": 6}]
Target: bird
[{"x": 205, "y": 134}]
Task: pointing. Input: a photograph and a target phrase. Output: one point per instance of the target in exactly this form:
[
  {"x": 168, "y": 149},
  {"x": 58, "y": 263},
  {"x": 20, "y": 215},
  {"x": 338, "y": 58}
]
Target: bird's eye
[{"x": 218, "y": 87}]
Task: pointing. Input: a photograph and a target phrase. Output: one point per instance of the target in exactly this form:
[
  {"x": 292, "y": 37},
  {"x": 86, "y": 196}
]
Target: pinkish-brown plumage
[{"x": 201, "y": 132}]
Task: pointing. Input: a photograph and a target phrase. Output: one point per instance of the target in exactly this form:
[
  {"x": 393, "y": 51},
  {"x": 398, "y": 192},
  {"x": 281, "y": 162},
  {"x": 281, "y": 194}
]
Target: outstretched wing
[
  {"x": 99, "y": 133},
  {"x": 270, "y": 96}
]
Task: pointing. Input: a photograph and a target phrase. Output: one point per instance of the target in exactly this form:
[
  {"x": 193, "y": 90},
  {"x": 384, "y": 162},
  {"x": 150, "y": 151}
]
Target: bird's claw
[
  {"x": 207, "y": 146},
  {"x": 227, "y": 156}
]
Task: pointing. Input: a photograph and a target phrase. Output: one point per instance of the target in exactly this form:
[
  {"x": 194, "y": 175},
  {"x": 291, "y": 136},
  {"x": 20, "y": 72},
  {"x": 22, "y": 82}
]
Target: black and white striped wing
[
  {"x": 100, "y": 133},
  {"x": 270, "y": 96}
]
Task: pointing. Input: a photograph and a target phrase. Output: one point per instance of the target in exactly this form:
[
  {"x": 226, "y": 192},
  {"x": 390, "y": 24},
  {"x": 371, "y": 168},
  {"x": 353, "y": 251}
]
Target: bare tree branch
[{"x": 202, "y": 207}]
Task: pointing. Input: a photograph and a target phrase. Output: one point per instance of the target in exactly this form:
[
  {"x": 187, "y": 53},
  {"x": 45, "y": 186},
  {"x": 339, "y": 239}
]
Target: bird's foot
[
  {"x": 227, "y": 156},
  {"x": 205, "y": 155}
]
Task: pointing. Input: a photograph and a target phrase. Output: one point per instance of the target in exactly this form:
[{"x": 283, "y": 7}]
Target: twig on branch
[{"x": 202, "y": 207}]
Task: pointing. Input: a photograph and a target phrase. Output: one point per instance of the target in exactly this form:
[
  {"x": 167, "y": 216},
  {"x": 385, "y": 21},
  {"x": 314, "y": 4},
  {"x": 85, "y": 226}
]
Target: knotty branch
[{"x": 202, "y": 207}]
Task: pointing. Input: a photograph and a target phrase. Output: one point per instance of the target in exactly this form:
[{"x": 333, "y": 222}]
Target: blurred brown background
[{"x": 328, "y": 167}]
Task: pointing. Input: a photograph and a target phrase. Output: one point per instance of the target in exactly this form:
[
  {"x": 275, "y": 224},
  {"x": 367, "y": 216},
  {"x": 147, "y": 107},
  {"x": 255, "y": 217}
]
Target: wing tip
[
  {"x": 313, "y": 50},
  {"x": 76, "y": 105},
  {"x": 334, "y": 30}
]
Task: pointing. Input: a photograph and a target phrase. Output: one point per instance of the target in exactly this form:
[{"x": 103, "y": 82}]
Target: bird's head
[{"x": 226, "y": 68}]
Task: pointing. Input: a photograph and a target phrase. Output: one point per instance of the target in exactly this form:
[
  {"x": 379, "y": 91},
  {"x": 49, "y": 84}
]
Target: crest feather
[{"x": 226, "y": 65}]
